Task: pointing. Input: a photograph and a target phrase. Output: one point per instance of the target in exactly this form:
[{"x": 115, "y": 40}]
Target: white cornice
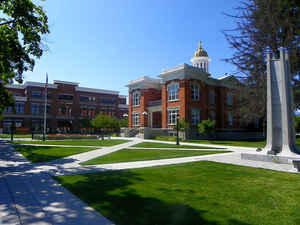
[
  {"x": 144, "y": 83},
  {"x": 15, "y": 86},
  {"x": 38, "y": 84}
]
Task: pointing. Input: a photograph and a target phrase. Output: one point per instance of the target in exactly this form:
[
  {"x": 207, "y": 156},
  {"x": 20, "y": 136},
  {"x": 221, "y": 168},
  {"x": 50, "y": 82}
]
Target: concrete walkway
[{"x": 30, "y": 196}]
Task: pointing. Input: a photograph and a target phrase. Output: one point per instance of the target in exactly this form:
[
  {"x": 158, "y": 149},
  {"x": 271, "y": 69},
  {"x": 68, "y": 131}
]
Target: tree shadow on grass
[
  {"x": 30, "y": 154},
  {"x": 111, "y": 195}
]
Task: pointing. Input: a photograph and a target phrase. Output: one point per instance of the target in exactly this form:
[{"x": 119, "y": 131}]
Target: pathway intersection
[{"x": 30, "y": 196}]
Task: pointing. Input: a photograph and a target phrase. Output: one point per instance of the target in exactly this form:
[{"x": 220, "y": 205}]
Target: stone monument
[{"x": 281, "y": 136}]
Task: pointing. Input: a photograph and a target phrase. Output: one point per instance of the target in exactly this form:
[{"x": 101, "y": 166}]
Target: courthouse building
[
  {"x": 185, "y": 91},
  {"x": 69, "y": 106}
]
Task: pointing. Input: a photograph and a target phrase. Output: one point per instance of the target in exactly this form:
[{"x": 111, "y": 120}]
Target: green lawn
[
  {"x": 44, "y": 153},
  {"x": 163, "y": 145},
  {"x": 131, "y": 155},
  {"x": 202, "y": 193},
  {"x": 15, "y": 136},
  {"x": 252, "y": 144},
  {"x": 104, "y": 143}
]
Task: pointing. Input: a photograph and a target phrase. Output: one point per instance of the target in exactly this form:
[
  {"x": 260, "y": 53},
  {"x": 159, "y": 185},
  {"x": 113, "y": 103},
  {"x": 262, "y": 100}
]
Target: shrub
[{"x": 207, "y": 127}]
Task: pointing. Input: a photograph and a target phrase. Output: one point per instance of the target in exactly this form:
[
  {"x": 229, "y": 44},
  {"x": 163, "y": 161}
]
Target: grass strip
[
  {"x": 132, "y": 155},
  {"x": 37, "y": 154},
  {"x": 104, "y": 143},
  {"x": 164, "y": 145}
]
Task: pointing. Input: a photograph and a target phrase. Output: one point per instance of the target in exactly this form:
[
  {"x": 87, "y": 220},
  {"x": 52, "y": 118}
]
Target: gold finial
[{"x": 200, "y": 44}]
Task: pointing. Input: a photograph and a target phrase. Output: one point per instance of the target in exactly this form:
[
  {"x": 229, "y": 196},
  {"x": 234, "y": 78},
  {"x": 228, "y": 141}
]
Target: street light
[{"x": 144, "y": 114}]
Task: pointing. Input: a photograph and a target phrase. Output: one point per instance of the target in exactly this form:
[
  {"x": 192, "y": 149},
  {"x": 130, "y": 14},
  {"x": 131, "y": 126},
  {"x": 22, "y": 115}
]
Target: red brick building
[
  {"x": 185, "y": 91},
  {"x": 69, "y": 106}
]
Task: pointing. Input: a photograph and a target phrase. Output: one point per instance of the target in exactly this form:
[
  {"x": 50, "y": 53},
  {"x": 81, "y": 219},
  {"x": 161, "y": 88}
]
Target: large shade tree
[
  {"x": 263, "y": 26},
  {"x": 22, "y": 25}
]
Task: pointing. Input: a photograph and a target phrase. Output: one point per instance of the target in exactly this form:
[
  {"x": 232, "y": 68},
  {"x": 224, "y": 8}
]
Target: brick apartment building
[
  {"x": 68, "y": 106},
  {"x": 185, "y": 91}
]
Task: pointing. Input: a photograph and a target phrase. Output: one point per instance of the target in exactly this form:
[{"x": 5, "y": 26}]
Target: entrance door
[{"x": 156, "y": 120}]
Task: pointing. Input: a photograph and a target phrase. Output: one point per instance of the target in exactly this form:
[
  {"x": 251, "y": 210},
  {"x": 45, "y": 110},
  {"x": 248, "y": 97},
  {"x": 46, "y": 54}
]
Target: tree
[
  {"x": 123, "y": 122},
  {"x": 22, "y": 26},
  {"x": 263, "y": 26},
  {"x": 181, "y": 125},
  {"x": 207, "y": 127},
  {"x": 104, "y": 122}
]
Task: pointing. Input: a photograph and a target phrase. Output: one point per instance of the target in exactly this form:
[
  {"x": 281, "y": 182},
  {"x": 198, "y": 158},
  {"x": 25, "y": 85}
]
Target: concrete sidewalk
[{"x": 35, "y": 198}]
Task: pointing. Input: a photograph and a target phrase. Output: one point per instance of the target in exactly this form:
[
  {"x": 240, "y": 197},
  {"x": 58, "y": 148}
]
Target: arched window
[
  {"x": 136, "y": 98},
  {"x": 195, "y": 92},
  {"x": 173, "y": 89}
]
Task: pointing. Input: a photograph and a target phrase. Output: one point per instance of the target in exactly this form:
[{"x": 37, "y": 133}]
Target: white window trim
[
  {"x": 174, "y": 94},
  {"x": 136, "y": 99},
  {"x": 172, "y": 123},
  {"x": 134, "y": 121}
]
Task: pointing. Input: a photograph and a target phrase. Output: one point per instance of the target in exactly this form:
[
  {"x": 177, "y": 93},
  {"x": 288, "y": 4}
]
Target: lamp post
[
  {"x": 144, "y": 114},
  {"x": 177, "y": 130}
]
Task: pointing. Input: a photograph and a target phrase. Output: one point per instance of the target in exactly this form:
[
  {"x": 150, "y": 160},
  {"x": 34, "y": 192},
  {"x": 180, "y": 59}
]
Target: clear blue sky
[{"x": 106, "y": 43}]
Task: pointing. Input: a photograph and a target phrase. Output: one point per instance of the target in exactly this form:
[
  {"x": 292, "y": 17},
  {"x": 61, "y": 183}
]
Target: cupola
[{"x": 201, "y": 59}]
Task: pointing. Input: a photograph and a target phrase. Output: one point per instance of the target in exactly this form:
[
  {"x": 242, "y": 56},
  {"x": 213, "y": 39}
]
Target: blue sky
[{"x": 105, "y": 43}]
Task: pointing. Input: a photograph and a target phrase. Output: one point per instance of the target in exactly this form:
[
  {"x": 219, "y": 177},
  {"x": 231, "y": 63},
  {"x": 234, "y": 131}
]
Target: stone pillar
[{"x": 281, "y": 138}]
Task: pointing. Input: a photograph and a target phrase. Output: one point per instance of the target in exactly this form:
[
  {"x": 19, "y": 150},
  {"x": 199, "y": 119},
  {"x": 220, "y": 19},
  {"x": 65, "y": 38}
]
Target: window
[
  {"x": 8, "y": 109},
  {"x": 35, "y": 108},
  {"x": 36, "y": 125},
  {"x": 211, "y": 97},
  {"x": 136, "y": 98},
  {"x": 65, "y": 97},
  {"x": 135, "y": 119},
  {"x": 172, "y": 116},
  {"x": 87, "y": 98},
  {"x": 195, "y": 116},
  {"x": 84, "y": 98},
  {"x": 256, "y": 123},
  {"x": 229, "y": 99},
  {"x": 36, "y": 94},
  {"x": 230, "y": 121},
  {"x": 173, "y": 90},
  {"x": 212, "y": 115},
  {"x": 48, "y": 108},
  {"x": 195, "y": 92},
  {"x": 107, "y": 100},
  {"x": 19, "y": 107}
]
